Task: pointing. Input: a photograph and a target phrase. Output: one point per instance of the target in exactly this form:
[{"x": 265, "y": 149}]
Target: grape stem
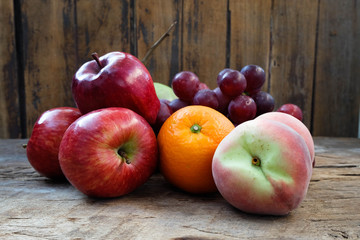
[
  {"x": 124, "y": 156},
  {"x": 157, "y": 43}
]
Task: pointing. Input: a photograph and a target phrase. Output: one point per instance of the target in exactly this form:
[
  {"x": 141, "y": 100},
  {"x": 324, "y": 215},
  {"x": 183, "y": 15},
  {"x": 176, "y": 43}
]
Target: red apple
[
  {"x": 263, "y": 167},
  {"x": 116, "y": 79},
  {"x": 108, "y": 152},
  {"x": 297, "y": 125},
  {"x": 43, "y": 146}
]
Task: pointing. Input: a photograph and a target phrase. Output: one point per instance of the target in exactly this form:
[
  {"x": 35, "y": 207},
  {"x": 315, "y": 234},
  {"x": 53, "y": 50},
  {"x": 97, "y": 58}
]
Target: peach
[
  {"x": 263, "y": 167},
  {"x": 297, "y": 125}
]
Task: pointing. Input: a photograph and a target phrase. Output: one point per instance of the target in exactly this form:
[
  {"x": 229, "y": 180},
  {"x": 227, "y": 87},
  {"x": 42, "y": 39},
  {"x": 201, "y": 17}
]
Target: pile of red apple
[{"x": 106, "y": 147}]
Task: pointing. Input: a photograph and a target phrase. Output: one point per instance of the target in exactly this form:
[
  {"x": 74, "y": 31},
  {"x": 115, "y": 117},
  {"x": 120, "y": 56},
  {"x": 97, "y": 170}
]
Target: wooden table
[{"x": 32, "y": 207}]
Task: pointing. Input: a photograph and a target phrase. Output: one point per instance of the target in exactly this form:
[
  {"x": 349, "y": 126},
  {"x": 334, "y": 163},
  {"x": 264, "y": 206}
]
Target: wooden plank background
[
  {"x": 9, "y": 80},
  {"x": 309, "y": 50}
]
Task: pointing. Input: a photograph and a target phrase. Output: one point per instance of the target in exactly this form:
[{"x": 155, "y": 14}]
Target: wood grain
[
  {"x": 49, "y": 55},
  {"x": 153, "y": 18},
  {"x": 337, "y": 89},
  {"x": 250, "y": 34},
  {"x": 10, "y": 126},
  {"x": 102, "y": 27},
  {"x": 292, "y": 54},
  {"x": 33, "y": 207},
  {"x": 309, "y": 50},
  {"x": 204, "y": 38}
]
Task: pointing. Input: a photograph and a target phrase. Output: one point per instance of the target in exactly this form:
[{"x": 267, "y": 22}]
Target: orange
[{"x": 187, "y": 142}]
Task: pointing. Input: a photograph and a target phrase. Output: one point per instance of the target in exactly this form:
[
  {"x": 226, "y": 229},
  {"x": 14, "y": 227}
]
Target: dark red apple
[
  {"x": 108, "y": 152},
  {"x": 116, "y": 79},
  {"x": 43, "y": 146}
]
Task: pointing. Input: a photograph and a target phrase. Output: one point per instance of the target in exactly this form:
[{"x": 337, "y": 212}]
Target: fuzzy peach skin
[
  {"x": 297, "y": 125},
  {"x": 279, "y": 183}
]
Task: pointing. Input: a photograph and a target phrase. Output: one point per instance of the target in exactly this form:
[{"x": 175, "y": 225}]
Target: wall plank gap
[
  {"x": 311, "y": 127},
  {"x": 268, "y": 87},
  {"x": 228, "y": 35},
  {"x": 20, "y": 67}
]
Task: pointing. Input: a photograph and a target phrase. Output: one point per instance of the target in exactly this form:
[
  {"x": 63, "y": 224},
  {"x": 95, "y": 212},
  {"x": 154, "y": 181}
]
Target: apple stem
[
  {"x": 157, "y": 43},
  {"x": 95, "y": 56},
  {"x": 123, "y": 155}
]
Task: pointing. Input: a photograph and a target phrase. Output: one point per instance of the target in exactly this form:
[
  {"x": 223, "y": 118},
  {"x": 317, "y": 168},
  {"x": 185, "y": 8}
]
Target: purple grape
[
  {"x": 221, "y": 73},
  {"x": 223, "y": 101},
  {"x": 203, "y": 86},
  {"x": 255, "y": 78},
  {"x": 241, "y": 109},
  {"x": 176, "y": 104},
  {"x": 206, "y": 97},
  {"x": 291, "y": 109},
  {"x": 232, "y": 83},
  {"x": 264, "y": 102},
  {"x": 185, "y": 84},
  {"x": 164, "y": 113}
]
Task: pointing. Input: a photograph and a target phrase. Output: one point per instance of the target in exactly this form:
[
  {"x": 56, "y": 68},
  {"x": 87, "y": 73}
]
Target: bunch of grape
[{"x": 238, "y": 95}]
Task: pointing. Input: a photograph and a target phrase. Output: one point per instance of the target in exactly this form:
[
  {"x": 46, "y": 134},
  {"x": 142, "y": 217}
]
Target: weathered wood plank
[
  {"x": 102, "y": 27},
  {"x": 204, "y": 38},
  {"x": 292, "y": 54},
  {"x": 153, "y": 18},
  {"x": 250, "y": 34},
  {"x": 9, "y": 83},
  {"x": 33, "y": 207},
  {"x": 310, "y": 51},
  {"x": 49, "y": 55},
  {"x": 337, "y": 89}
]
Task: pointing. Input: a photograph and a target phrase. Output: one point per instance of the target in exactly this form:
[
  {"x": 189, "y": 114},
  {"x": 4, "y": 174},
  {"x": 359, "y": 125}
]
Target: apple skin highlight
[{"x": 279, "y": 183}]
